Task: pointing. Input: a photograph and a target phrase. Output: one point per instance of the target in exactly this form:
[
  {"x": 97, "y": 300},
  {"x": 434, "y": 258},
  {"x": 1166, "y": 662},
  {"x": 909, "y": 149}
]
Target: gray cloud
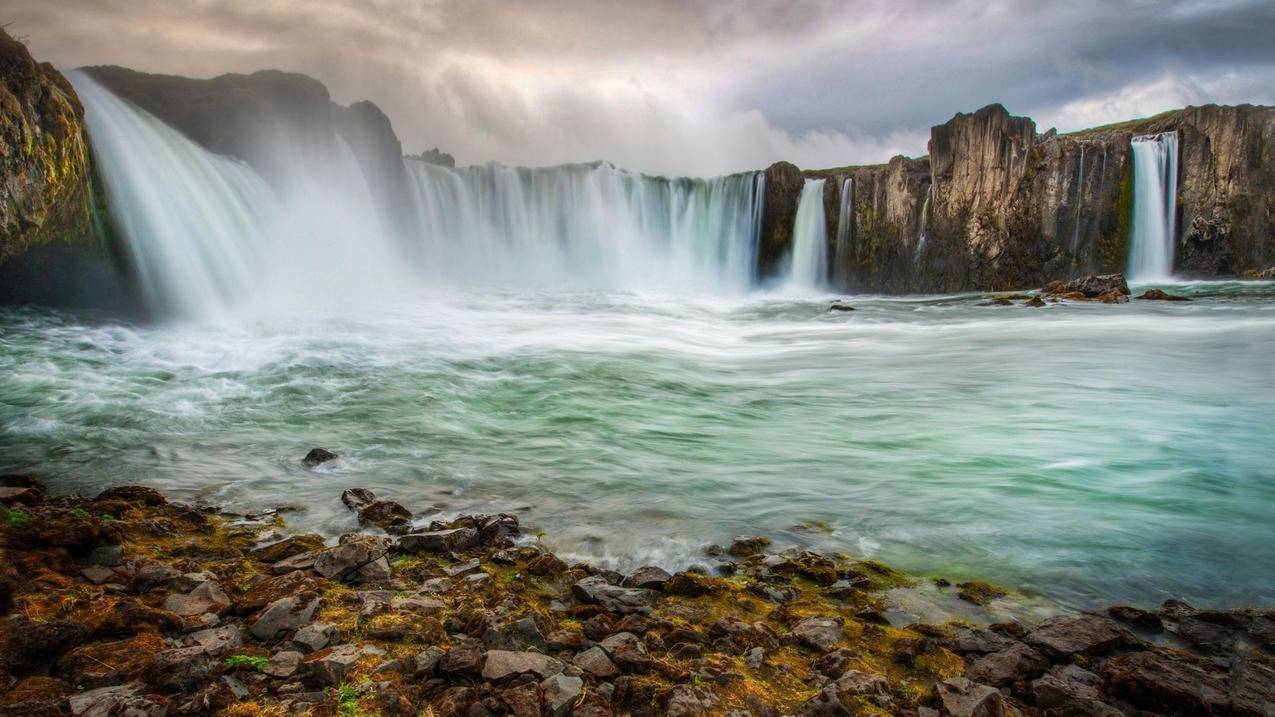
[{"x": 698, "y": 87}]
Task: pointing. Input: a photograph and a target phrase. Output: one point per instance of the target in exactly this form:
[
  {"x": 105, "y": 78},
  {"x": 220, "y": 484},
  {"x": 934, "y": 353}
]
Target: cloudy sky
[{"x": 692, "y": 87}]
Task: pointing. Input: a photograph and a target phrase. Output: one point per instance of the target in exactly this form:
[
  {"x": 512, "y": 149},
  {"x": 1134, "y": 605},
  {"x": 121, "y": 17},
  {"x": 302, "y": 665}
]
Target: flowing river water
[{"x": 1082, "y": 452}]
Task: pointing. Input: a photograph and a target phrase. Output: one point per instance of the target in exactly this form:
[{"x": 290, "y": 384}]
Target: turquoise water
[{"x": 1087, "y": 453}]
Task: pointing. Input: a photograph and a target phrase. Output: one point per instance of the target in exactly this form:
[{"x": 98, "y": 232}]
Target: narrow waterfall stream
[
  {"x": 809, "y": 268},
  {"x": 1155, "y": 194}
]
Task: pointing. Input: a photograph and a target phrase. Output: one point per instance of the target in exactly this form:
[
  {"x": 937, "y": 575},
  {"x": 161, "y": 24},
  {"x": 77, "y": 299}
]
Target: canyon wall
[{"x": 1010, "y": 208}]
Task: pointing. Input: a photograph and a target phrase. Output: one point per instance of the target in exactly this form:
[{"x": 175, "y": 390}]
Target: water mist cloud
[{"x": 700, "y": 88}]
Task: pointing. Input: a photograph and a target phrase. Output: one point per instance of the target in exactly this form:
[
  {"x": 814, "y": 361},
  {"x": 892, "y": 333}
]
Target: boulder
[
  {"x": 648, "y": 577},
  {"x": 1081, "y": 633},
  {"x": 1159, "y": 295},
  {"x": 288, "y": 547},
  {"x": 126, "y": 700},
  {"x": 332, "y": 664},
  {"x": 1114, "y": 297},
  {"x": 136, "y": 494},
  {"x": 357, "y": 499},
  {"x": 596, "y": 590},
  {"x": 502, "y": 665},
  {"x": 386, "y": 515},
  {"x": 464, "y": 661},
  {"x": 180, "y": 669},
  {"x": 217, "y": 640},
  {"x": 313, "y": 637},
  {"x": 317, "y": 457},
  {"x": 959, "y": 697},
  {"x": 438, "y": 541},
  {"x": 1095, "y": 285},
  {"x": 843, "y": 695},
  {"x": 283, "y": 664},
  {"x": 977, "y": 640},
  {"x": 355, "y": 561},
  {"x": 744, "y": 546},
  {"x": 817, "y": 633},
  {"x": 1015, "y": 663},
  {"x": 284, "y": 614},
  {"x": 595, "y": 661},
  {"x": 1071, "y": 690},
  {"x": 689, "y": 584},
  {"x": 560, "y": 693},
  {"x": 465, "y": 566}
]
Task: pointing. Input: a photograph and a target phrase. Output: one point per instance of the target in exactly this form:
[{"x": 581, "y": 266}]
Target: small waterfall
[
  {"x": 845, "y": 225},
  {"x": 1080, "y": 202},
  {"x": 809, "y": 262},
  {"x": 924, "y": 221},
  {"x": 194, "y": 222},
  {"x": 1155, "y": 193},
  {"x": 586, "y": 226}
]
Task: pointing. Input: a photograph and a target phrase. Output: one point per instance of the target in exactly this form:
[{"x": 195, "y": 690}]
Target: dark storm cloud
[{"x": 695, "y": 87}]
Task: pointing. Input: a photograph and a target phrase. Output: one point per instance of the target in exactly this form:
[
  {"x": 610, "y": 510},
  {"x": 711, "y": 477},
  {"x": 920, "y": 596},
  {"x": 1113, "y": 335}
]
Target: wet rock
[
  {"x": 317, "y": 457},
  {"x": 817, "y": 633},
  {"x": 546, "y": 565},
  {"x": 1082, "y": 633},
  {"x": 462, "y": 661},
  {"x": 744, "y": 546},
  {"x": 977, "y": 640},
  {"x": 648, "y": 577},
  {"x": 1159, "y": 295},
  {"x": 1136, "y": 617},
  {"x": 596, "y": 590},
  {"x": 688, "y": 584},
  {"x": 959, "y": 697},
  {"x": 357, "y": 499},
  {"x": 977, "y": 592},
  {"x": 838, "y": 306},
  {"x": 560, "y": 693},
  {"x": 1113, "y": 297},
  {"x": 355, "y": 561},
  {"x": 1209, "y": 631},
  {"x": 996, "y": 301},
  {"x": 1008, "y": 666},
  {"x": 284, "y": 614},
  {"x": 136, "y": 494},
  {"x": 208, "y": 597},
  {"x": 10, "y": 496},
  {"x": 1034, "y": 302},
  {"x": 497, "y": 530},
  {"x": 1158, "y": 682},
  {"x": 288, "y": 547},
  {"x": 438, "y": 541},
  {"x": 595, "y": 661},
  {"x": 502, "y": 665},
  {"x": 1094, "y": 285},
  {"x": 1071, "y": 690}
]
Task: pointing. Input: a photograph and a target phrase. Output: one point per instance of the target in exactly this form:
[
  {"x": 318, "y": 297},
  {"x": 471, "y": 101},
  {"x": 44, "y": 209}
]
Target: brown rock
[
  {"x": 959, "y": 697},
  {"x": 1082, "y": 633},
  {"x": 107, "y": 663},
  {"x": 1013, "y": 664},
  {"x": 818, "y": 633},
  {"x": 288, "y": 547},
  {"x": 1159, "y": 295}
]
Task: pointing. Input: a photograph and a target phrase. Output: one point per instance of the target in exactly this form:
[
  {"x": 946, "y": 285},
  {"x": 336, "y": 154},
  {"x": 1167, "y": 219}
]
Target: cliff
[{"x": 1009, "y": 207}]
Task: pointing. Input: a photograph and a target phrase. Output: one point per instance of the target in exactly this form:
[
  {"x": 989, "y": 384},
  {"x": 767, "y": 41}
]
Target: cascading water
[
  {"x": 809, "y": 261},
  {"x": 586, "y": 226},
  {"x": 925, "y": 217},
  {"x": 1155, "y": 192},
  {"x": 845, "y": 224},
  {"x": 1080, "y": 202},
  {"x": 195, "y": 222}
]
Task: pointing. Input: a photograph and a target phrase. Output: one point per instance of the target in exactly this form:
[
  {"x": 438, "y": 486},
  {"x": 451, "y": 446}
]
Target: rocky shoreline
[{"x": 129, "y": 604}]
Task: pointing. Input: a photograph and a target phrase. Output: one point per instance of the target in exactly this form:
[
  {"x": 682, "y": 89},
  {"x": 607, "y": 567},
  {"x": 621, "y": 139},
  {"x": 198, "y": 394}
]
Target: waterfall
[
  {"x": 920, "y": 235},
  {"x": 195, "y": 222},
  {"x": 1155, "y": 193},
  {"x": 845, "y": 225},
  {"x": 586, "y": 226},
  {"x": 809, "y": 262},
  {"x": 1080, "y": 202}
]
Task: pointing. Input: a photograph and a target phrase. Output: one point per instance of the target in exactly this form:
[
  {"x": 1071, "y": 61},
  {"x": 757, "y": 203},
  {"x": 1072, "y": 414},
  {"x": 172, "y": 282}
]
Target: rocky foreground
[{"x": 128, "y": 604}]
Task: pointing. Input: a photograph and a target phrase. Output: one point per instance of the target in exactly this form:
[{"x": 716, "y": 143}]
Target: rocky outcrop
[{"x": 1009, "y": 207}]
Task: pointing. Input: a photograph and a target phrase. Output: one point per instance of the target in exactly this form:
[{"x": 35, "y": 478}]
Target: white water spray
[
  {"x": 809, "y": 265},
  {"x": 1155, "y": 193}
]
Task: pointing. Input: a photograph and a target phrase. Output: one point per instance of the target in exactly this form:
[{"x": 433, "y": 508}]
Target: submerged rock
[
  {"x": 1158, "y": 295},
  {"x": 317, "y": 457}
]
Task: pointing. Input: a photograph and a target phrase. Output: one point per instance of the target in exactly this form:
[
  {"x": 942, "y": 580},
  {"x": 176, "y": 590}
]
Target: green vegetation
[
  {"x": 347, "y": 702},
  {"x": 256, "y": 662},
  {"x": 14, "y": 517},
  {"x": 79, "y": 513}
]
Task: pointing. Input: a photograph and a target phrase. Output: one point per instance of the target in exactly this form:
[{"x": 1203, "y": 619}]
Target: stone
[
  {"x": 1113, "y": 297},
  {"x": 1096, "y": 285},
  {"x": 461, "y": 568},
  {"x": 595, "y": 661},
  {"x": 283, "y": 664},
  {"x": 999, "y": 669},
  {"x": 691, "y": 584},
  {"x": 438, "y": 541},
  {"x": 207, "y": 597},
  {"x": 107, "y": 556},
  {"x": 18, "y": 495},
  {"x": 217, "y": 640},
  {"x": 841, "y": 695},
  {"x": 1157, "y": 682},
  {"x": 426, "y": 661},
  {"x": 560, "y": 693},
  {"x": 313, "y": 637},
  {"x": 1136, "y": 617},
  {"x": 523, "y": 700},
  {"x": 817, "y": 633},
  {"x": 97, "y": 574},
  {"x": 264, "y": 591},
  {"x": 1081, "y": 633},
  {"x": 1035, "y": 302},
  {"x": 123, "y": 700},
  {"x": 317, "y": 457},
  {"x": 354, "y": 561},
  {"x": 546, "y": 565},
  {"x": 977, "y": 640},
  {"x": 357, "y": 498},
  {"x": 744, "y": 546},
  {"x": 1159, "y": 295},
  {"x": 418, "y": 604},
  {"x": 386, "y": 515},
  {"x": 1071, "y": 690},
  {"x": 437, "y": 586},
  {"x": 180, "y": 669},
  {"x": 98, "y": 664},
  {"x": 648, "y": 577},
  {"x": 838, "y": 306},
  {"x": 596, "y": 590},
  {"x": 136, "y": 494},
  {"x": 288, "y": 547},
  {"x": 300, "y": 561},
  {"x": 462, "y": 661},
  {"x": 332, "y": 664},
  {"x": 834, "y": 663},
  {"x": 501, "y": 665},
  {"x": 688, "y": 701},
  {"x": 284, "y": 614},
  {"x": 959, "y": 697}
]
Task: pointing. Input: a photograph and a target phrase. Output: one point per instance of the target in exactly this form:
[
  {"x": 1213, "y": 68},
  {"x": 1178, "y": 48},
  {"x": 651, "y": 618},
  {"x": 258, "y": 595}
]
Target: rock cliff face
[
  {"x": 52, "y": 245},
  {"x": 1012, "y": 208}
]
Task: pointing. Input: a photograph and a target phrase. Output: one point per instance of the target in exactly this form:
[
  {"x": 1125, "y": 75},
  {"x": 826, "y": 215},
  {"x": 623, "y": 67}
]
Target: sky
[{"x": 691, "y": 87}]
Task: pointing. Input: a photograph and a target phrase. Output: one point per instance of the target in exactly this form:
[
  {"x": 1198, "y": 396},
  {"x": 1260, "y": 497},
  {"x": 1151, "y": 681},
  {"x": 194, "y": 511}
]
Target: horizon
[{"x": 676, "y": 90}]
